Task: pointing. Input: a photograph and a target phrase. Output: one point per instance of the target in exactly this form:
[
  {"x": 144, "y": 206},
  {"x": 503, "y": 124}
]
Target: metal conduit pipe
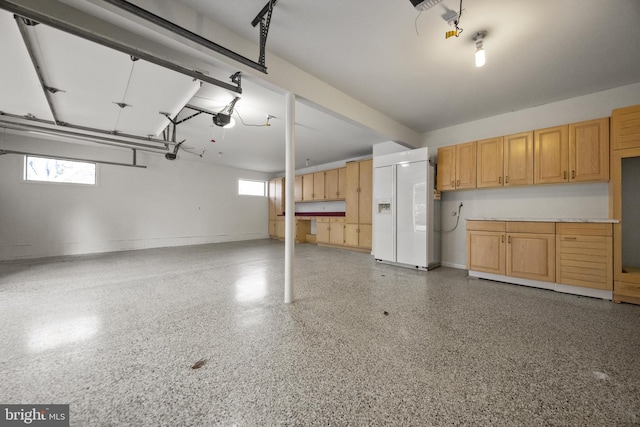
[
  {"x": 83, "y": 137},
  {"x": 78, "y": 127}
]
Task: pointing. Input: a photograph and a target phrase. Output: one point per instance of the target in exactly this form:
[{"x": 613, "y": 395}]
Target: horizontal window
[
  {"x": 252, "y": 188},
  {"x": 46, "y": 169}
]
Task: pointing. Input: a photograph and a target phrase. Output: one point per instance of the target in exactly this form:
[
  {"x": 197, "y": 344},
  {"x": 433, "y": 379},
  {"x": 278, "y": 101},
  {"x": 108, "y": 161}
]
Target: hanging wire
[
  {"x": 416, "y": 23},
  {"x": 126, "y": 90},
  {"x": 457, "y": 22},
  {"x": 245, "y": 124}
]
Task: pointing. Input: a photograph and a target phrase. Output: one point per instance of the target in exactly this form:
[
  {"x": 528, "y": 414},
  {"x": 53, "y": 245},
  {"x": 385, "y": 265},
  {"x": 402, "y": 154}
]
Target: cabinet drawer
[
  {"x": 584, "y": 261},
  {"x": 531, "y": 227},
  {"x": 584, "y": 229},
  {"x": 336, "y": 219},
  {"x": 322, "y": 219},
  {"x": 486, "y": 226}
]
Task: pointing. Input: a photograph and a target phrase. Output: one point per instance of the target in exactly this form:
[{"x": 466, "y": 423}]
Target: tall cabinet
[
  {"x": 625, "y": 202},
  {"x": 358, "y": 187}
]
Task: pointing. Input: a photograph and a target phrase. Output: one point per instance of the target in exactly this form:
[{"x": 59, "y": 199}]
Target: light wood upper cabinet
[
  {"x": 625, "y": 128},
  {"x": 446, "y": 168},
  {"x": 335, "y": 184},
  {"x": 466, "y": 165},
  {"x": 307, "y": 187},
  {"x": 551, "y": 155},
  {"x": 589, "y": 150},
  {"x": 518, "y": 159},
  {"x": 490, "y": 163},
  {"x": 457, "y": 167},
  {"x": 318, "y": 186},
  {"x": 297, "y": 188}
]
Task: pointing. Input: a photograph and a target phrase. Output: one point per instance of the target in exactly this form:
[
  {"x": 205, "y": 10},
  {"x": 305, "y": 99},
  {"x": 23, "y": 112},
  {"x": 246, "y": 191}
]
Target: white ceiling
[{"x": 380, "y": 52}]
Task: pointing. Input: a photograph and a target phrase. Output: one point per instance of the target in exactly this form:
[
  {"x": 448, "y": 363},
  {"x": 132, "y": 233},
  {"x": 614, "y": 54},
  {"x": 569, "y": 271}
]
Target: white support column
[{"x": 289, "y": 219}]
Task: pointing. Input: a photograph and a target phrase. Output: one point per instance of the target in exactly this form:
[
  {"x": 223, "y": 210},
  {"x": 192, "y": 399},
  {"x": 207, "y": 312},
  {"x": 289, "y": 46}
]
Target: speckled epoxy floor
[{"x": 116, "y": 335}]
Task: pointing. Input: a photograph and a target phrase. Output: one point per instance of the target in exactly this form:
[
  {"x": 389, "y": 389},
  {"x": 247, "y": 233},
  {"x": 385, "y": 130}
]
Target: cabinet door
[
  {"x": 318, "y": 186},
  {"x": 584, "y": 261},
  {"x": 364, "y": 236},
  {"x": 342, "y": 183},
  {"x": 466, "y": 165},
  {"x": 625, "y": 128},
  {"x": 322, "y": 230},
  {"x": 331, "y": 184},
  {"x": 486, "y": 251},
  {"x": 336, "y": 231},
  {"x": 278, "y": 196},
  {"x": 280, "y": 228},
  {"x": 490, "y": 163},
  {"x": 352, "y": 202},
  {"x": 518, "y": 159},
  {"x": 531, "y": 256},
  {"x": 551, "y": 155},
  {"x": 365, "y": 206},
  {"x": 351, "y": 234},
  {"x": 298, "y": 188},
  {"x": 589, "y": 150},
  {"x": 272, "y": 200},
  {"x": 446, "y": 179},
  {"x": 307, "y": 187},
  {"x": 273, "y": 228}
]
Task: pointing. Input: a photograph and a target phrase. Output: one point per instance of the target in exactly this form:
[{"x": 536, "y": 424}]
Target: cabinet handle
[
  {"x": 569, "y": 238},
  {"x": 573, "y": 174},
  {"x": 502, "y": 239},
  {"x": 453, "y": 183},
  {"x": 565, "y": 174},
  {"x": 499, "y": 180},
  {"x": 509, "y": 239},
  {"x": 458, "y": 183},
  {"x": 506, "y": 179}
]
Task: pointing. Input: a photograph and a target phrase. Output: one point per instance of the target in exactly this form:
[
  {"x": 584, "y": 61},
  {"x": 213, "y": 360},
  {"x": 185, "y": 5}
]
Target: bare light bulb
[
  {"x": 480, "y": 56},
  {"x": 232, "y": 123}
]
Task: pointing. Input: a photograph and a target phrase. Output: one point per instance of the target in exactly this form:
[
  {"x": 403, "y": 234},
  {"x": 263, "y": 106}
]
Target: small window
[
  {"x": 45, "y": 169},
  {"x": 252, "y": 188}
]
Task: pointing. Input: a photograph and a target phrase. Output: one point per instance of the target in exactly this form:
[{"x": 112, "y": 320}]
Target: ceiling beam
[{"x": 183, "y": 32}]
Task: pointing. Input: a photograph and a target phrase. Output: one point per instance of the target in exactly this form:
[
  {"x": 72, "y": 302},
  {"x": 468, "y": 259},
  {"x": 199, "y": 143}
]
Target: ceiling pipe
[
  {"x": 28, "y": 127},
  {"x": 91, "y": 36},
  {"x": 183, "y": 32},
  {"x": 111, "y": 134}
]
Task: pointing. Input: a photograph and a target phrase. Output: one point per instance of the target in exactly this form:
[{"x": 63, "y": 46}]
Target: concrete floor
[{"x": 116, "y": 336}]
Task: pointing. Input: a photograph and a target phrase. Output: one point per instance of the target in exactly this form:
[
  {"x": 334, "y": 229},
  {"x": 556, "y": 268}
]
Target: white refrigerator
[{"x": 405, "y": 210}]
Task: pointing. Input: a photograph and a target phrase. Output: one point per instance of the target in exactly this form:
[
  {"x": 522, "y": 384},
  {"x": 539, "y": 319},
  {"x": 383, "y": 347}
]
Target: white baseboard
[
  {"x": 558, "y": 287},
  {"x": 51, "y": 249},
  {"x": 453, "y": 265}
]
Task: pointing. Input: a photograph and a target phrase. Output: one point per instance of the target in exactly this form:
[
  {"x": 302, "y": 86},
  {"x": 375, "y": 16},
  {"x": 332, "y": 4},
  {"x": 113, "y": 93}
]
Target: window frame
[
  {"x": 264, "y": 187},
  {"x": 25, "y": 179}
]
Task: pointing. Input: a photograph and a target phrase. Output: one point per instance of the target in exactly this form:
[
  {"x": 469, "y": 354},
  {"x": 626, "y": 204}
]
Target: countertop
[{"x": 589, "y": 220}]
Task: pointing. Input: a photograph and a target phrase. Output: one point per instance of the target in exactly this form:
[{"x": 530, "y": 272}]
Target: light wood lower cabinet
[
  {"x": 565, "y": 253},
  {"x": 518, "y": 249},
  {"x": 584, "y": 255},
  {"x": 486, "y": 246},
  {"x": 358, "y": 235},
  {"x": 330, "y": 230}
]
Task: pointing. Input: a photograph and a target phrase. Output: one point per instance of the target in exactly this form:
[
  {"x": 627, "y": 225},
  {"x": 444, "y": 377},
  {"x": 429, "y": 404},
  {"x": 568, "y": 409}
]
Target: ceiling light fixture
[{"x": 480, "y": 54}]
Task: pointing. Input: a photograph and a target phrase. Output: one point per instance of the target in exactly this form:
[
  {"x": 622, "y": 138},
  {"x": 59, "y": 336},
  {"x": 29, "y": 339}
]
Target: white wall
[
  {"x": 168, "y": 204},
  {"x": 552, "y": 201}
]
